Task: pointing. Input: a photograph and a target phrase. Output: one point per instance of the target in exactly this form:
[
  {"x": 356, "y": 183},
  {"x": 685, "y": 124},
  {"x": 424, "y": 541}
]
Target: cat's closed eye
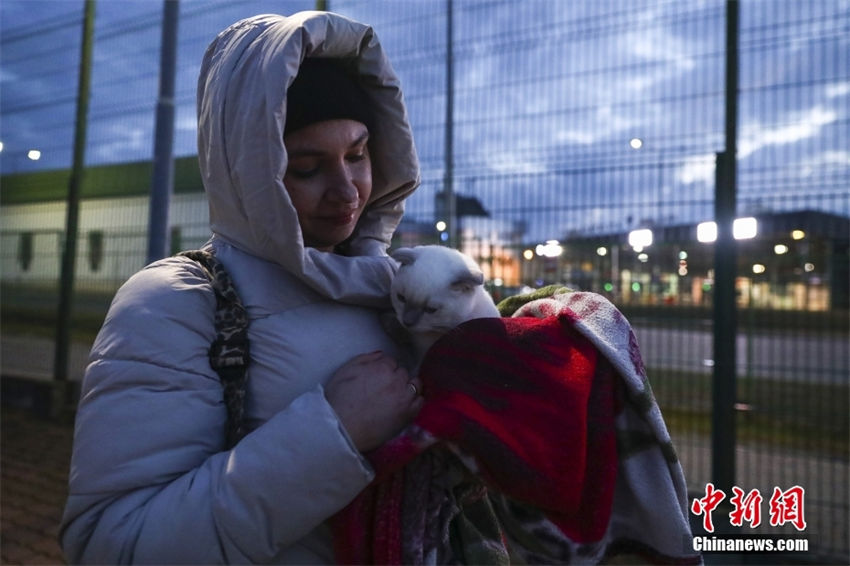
[
  {"x": 431, "y": 310},
  {"x": 400, "y": 298}
]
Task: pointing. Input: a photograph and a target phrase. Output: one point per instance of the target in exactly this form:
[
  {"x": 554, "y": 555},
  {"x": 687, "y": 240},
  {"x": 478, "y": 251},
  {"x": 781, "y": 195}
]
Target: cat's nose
[{"x": 411, "y": 316}]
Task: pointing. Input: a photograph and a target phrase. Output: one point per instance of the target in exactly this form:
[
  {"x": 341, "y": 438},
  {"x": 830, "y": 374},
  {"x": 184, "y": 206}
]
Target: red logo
[
  {"x": 707, "y": 504},
  {"x": 785, "y": 507},
  {"x": 747, "y": 508}
]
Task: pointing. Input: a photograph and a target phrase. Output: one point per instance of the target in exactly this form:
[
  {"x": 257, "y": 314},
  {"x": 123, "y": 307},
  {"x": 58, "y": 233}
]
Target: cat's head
[{"x": 435, "y": 288}]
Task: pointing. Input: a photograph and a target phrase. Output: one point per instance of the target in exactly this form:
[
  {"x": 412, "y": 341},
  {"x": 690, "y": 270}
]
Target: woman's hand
[{"x": 374, "y": 398}]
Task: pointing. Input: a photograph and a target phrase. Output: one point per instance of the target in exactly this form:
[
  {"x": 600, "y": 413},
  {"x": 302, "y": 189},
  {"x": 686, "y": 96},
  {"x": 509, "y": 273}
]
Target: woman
[{"x": 306, "y": 179}]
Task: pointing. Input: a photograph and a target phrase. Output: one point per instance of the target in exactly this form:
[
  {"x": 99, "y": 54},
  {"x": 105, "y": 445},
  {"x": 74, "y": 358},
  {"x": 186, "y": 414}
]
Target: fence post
[
  {"x": 725, "y": 267},
  {"x": 448, "y": 174},
  {"x": 69, "y": 253},
  {"x": 725, "y": 331},
  {"x": 163, "y": 159}
]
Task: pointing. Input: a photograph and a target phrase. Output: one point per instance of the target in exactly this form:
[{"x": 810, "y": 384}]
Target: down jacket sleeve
[{"x": 150, "y": 480}]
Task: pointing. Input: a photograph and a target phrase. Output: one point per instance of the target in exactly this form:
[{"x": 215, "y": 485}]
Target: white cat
[{"x": 437, "y": 288}]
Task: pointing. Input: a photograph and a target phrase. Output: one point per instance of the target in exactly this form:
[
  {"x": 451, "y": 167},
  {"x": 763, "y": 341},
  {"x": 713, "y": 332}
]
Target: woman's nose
[{"x": 344, "y": 187}]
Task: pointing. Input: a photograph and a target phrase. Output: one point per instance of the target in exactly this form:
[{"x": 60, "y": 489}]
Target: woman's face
[{"x": 329, "y": 179}]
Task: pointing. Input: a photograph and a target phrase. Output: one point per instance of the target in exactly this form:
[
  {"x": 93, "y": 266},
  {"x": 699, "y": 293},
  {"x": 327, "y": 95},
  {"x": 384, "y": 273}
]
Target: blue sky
[{"x": 547, "y": 93}]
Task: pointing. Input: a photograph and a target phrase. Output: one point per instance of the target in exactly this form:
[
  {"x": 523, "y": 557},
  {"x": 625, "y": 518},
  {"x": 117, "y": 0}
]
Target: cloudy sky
[{"x": 548, "y": 96}]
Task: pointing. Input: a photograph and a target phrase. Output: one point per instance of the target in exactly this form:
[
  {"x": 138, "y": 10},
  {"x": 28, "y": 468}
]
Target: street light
[
  {"x": 742, "y": 229},
  {"x": 550, "y": 249},
  {"x": 640, "y": 239},
  {"x": 706, "y": 232},
  {"x": 441, "y": 228}
]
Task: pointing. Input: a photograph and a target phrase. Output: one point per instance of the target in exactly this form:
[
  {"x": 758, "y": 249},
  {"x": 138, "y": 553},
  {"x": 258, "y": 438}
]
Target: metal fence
[{"x": 577, "y": 130}]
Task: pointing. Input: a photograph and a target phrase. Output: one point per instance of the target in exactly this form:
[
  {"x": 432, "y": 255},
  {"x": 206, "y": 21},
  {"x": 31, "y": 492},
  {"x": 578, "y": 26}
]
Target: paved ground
[
  {"x": 35, "y": 450},
  {"x": 34, "y": 461}
]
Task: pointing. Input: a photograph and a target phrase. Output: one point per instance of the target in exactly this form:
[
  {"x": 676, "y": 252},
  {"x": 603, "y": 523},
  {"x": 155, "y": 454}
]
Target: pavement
[
  {"x": 36, "y": 432},
  {"x": 34, "y": 458}
]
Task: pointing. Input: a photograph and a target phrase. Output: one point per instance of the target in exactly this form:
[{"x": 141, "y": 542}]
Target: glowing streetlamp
[
  {"x": 640, "y": 239},
  {"x": 706, "y": 232},
  {"x": 550, "y": 249},
  {"x": 742, "y": 229}
]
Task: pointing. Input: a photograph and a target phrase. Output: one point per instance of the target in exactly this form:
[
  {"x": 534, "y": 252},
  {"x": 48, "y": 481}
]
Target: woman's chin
[{"x": 331, "y": 238}]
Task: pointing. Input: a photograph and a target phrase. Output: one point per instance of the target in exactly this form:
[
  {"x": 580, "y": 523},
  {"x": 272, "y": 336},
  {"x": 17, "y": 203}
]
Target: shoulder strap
[{"x": 228, "y": 353}]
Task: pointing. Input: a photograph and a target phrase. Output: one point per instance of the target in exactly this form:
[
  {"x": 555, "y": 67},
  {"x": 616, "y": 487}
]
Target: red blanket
[
  {"x": 526, "y": 398},
  {"x": 512, "y": 458}
]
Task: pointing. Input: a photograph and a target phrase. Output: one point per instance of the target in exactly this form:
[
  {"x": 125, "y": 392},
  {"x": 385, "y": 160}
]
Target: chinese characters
[{"x": 783, "y": 507}]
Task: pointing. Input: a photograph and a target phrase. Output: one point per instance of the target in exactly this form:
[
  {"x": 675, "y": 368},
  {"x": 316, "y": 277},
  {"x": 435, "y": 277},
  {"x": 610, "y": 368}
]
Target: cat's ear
[
  {"x": 468, "y": 281},
  {"x": 404, "y": 256}
]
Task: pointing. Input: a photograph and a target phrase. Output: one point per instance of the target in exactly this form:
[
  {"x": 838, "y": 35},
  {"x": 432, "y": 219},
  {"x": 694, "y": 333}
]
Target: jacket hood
[{"x": 242, "y": 88}]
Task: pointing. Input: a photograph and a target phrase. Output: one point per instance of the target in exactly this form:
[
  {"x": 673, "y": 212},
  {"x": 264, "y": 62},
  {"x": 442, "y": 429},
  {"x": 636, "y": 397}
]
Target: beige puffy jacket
[{"x": 150, "y": 479}]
